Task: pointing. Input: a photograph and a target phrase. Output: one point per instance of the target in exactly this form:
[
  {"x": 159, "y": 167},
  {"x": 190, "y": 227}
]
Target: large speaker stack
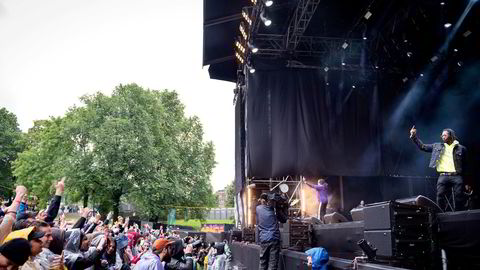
[
  {"x": 398, "y": 231},
  {"x": 296, "y": 235}
]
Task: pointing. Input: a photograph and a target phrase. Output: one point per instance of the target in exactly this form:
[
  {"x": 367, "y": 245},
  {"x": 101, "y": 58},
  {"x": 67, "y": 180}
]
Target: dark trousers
[
  {"x": 269, "y": 255},
  {"x": 322, "y": 210},
  {"x": 445, "y": 184}
]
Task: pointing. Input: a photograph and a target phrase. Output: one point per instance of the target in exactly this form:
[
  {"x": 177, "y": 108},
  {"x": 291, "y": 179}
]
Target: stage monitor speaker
[
  {"x": 334, "y": 217},
  {"x": 313, "y": 220},
  {"x": 357, "y": 214},
  {"x": 422, "y": 201}
]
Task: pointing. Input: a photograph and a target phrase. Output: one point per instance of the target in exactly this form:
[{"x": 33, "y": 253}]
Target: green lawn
[{"x": 197, "y": 224}]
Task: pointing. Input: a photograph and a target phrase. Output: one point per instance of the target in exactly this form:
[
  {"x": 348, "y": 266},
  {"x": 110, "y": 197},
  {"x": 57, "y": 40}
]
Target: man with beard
[
  {"x": 448, "y": 158},
  {"x": 161, "y": 252},
  {"x": 39, "y": 236}
]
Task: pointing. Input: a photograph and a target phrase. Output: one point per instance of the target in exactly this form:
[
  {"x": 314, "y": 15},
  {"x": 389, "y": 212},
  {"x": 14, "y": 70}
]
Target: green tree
[
  {"x": 136, "y": 145},
  {"x": 230, "y": 194},
  {"x": 10, "y": 145}
]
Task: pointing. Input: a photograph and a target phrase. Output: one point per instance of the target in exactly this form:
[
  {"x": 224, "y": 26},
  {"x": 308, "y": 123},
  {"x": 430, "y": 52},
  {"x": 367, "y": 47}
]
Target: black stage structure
[{"x": 331, "y": 88}]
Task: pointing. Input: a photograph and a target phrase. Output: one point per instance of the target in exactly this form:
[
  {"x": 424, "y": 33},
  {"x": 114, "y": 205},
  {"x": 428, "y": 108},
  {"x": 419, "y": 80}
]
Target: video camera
[{"x": 280, "y": 203}]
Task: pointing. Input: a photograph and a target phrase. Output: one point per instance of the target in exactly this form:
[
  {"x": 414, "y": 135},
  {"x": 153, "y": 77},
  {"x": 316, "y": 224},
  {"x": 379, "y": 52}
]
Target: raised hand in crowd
[
  {"x": 42, "y": 215},
  {"x": 85, "y": 212},
  {"x": 60, "y": 187}
]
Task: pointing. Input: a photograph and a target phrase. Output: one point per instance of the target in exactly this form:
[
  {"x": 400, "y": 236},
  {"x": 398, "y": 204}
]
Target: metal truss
[
  {"x": 299, "y": 23},
  {"x": 275, "y": 46}
]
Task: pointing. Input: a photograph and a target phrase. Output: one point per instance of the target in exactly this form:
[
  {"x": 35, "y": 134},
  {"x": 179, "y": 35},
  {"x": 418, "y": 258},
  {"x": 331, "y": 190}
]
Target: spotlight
[
  {"x": 265, "y": 20},
  {"x": 268, "y": 3},
  {"x": 447, "y": 25},
  {"x": 326, "y": 69},
  {"x": 367, "y": 249},
  {"x": 368, "y": 15},
  {"x": 455, "y": 50},
  {"x": 421, "y": 74},
  {"x": 459, "y": 63},
  {"x": 252, "y": 70},
  {"x": 404, "y": 80},
  {"x": 467, "y": 33},
  {"x": 376, "y": 67},
  {"x": 343, "y": 64},
  {"x": 252, "y": 47},
  {"x": 254, "y": 2},
  {"x": 364, "y": 38},
  {"x": 442, "y": 3},
  {"x": 327, "y": 83},
  {"x": 344, "y": 45},
  {"x": 405, "y": 40},
  {"x": 353, "y": 86},
  {"x": 409, "y": 54},
  {"x": 433, "y": 59}
]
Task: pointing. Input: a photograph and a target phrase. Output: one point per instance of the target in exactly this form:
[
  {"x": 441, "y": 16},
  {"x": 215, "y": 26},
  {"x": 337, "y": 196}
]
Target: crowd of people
[{"x": 45, "y": 240}]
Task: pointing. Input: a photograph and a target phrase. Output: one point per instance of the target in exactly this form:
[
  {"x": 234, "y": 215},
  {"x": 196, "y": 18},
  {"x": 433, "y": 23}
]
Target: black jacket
[
  {"x": 180, "y": 261},
  {"x": 459, "y": 154}
]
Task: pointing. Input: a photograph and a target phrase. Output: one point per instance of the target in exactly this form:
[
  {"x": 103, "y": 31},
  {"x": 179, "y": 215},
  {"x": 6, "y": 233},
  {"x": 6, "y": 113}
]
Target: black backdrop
[
  {"x": 298, "y": 123},
  {"x": 312, "y": 123}
]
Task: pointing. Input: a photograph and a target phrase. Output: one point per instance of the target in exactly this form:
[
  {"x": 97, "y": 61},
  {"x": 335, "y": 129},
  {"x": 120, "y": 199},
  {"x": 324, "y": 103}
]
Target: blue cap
[{"x": 319, "y": 258}]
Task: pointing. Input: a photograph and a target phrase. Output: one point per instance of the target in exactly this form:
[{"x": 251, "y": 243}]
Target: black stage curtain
[
  {"x": 239, "y": 142},
  {"x": 299, "y": 125}
]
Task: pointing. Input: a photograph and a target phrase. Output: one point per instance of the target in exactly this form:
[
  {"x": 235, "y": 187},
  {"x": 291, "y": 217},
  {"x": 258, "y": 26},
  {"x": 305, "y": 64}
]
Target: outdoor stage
[
  {"x": 330, "y": 89},
  {"x": 455, "y": 233}
]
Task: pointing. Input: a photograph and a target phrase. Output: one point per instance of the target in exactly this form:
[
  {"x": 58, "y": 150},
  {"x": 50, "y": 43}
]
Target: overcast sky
[{"x": 54, "y": 51}]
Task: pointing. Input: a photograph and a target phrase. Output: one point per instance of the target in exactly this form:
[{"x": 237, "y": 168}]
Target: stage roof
[{"x": 404, "y": 34}]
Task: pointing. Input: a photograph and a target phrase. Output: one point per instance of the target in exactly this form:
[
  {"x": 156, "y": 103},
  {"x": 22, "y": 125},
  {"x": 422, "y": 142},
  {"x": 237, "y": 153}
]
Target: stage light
[
  {"x": 405, "y": 40},
  {"x": 421, "y": 74},
  {"x": 368, "y": 15},
  {"x": 239, "y": 46},
  {"x": 326, "y": 69},
  {"x": 353, "y": 86},
  {"x": 343, "y": 64},
  {"x": 442, "y": 3},
  {"x": 344, "y": 45},
  {"x": 433, "y": 59},
  {"x": 455, "y": 50},
  {"x": 245, "y": 16},
  {"x": 367, "y": 249},
  {"x": 254, "y": 2},
  {"x": 404, "y": 80},
  {"x": 243, "y": 31},
  {"x": 409, "y": 54},
  {"x": 459, "y": 63},
  {"x": 268, "y": 3},
  {"x": 364, "y": 38},
  {"x": 447, "y": 25},
  {"x": 376, "y": 67},
  {"x": 252, "y": 70},
  {"x": 239, "y": 57},
  {"x": 467, "y": 33},
  {"x": 327, "y": 83},
  {"x": 252, "y": 47},
  {"x": 267, "y": 22}
]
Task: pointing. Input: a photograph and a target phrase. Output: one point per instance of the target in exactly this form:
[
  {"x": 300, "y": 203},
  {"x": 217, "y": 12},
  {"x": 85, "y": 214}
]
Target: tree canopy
[
  {"x": 136, "y": 145},
  {"x": 10, "y": 145}
]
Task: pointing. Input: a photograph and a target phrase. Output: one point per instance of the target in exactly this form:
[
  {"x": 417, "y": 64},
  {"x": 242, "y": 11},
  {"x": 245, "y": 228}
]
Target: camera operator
[{"x": 269, "y": 212}]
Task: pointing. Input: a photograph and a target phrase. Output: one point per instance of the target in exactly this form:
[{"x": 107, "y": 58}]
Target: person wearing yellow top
[{"x": 448, "y": 158}]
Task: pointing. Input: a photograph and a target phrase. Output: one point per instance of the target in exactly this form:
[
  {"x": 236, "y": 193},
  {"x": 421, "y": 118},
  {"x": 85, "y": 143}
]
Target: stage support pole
[{"x": 342, "y": 203}]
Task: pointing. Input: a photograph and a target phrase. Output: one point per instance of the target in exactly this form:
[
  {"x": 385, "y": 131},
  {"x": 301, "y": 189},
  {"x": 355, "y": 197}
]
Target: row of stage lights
[{"x": 242, "y": 43}]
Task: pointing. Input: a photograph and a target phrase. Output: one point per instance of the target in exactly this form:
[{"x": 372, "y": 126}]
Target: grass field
[{"x": 197, "y": 224}]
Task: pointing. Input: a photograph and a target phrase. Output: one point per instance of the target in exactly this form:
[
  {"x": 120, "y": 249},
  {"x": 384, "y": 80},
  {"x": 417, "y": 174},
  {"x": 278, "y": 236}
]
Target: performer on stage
[
  {"x": 322, "y": 197},
  {"x": 449, "y": 160}
]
